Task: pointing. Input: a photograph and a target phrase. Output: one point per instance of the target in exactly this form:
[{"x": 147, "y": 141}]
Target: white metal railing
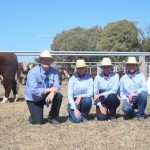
[
  {"x": 81, "y": 53},
  {"x": 141, "y": 55},
  {"x": 98, "y": 53}
]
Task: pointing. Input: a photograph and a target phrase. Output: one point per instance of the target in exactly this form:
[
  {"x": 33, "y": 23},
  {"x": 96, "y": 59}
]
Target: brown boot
[{"x": 54, "y": 121}]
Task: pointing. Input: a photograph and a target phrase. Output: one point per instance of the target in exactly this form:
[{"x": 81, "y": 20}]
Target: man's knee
[
  {"x": 58, "y": 97},
  {"x": 112, "y": 96}
]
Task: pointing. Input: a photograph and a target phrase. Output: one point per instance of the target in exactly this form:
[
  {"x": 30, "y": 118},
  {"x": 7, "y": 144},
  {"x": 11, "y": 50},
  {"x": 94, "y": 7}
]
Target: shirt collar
[
  {"x": 76, "y": 75},
  {"x": 43, "y": 72},
  {"x": 111, "y": 74},
  {"x": 132, "y": 75}
]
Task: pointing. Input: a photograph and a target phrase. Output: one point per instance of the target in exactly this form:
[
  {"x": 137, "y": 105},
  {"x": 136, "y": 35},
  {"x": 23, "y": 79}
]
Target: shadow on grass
[
  {"x": 93, "y": 116},
  {"x": 11, "y": 99},
  {"x": 148, "y": 115},
  {"x": 61, "y": 119}
]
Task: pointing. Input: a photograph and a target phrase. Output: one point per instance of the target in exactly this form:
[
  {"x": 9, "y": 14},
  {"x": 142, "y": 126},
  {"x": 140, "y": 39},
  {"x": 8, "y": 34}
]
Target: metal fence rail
[
  {"x": 144, "y": 67},
  {"x": 81, "y": 53},
  {"x": 99, "y": 53}
]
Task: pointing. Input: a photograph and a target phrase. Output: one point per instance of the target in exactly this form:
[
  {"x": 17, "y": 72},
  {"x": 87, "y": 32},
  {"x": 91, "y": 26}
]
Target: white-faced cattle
[
  {"x": 8, "y": 71},
  {"x": 23, "y": 69}
]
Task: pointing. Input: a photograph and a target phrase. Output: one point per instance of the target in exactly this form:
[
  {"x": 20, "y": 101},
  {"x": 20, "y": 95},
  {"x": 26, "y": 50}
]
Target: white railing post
[{"x": 143, "y": 65}]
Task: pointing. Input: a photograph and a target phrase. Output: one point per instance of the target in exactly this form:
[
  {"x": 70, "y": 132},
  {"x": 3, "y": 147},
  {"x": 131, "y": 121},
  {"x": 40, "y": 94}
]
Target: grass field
[{"x": 17, "y": 134}]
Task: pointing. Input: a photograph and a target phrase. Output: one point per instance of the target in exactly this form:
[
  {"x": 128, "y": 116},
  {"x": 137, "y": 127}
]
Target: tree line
[{"x": 118, "y": 36}]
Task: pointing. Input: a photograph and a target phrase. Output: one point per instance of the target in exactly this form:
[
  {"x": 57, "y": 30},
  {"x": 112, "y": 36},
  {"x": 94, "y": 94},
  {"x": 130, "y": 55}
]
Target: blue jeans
[
  {"x": 139, "y": 103},
  {"x": 84, "y": 107},
  {"x": 111, "y": 103}
]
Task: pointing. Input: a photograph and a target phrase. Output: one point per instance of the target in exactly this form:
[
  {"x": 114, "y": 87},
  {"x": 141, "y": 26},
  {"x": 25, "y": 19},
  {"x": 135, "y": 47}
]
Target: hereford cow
[
  {"x": 23, "y": 69},
  {"x": 63, "y": 74},
  {"x": 8, "y": 71}
]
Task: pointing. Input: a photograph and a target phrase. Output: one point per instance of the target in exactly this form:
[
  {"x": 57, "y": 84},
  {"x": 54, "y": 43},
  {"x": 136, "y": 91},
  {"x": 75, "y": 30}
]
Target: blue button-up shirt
[
  {"x": 127, "y": 84},
  {"x": 106, "y": 86},
  {"x": 37, "y": 81},
  {"x": 79, "y": 87}
]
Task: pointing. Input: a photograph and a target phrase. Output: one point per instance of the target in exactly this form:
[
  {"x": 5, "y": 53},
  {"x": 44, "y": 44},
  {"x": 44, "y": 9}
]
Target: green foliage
[
  {"x": 116, "y": 36},
  {"x": 119, "y": 36},
  {"x": 94, "y": 36},
  {"x": 144, "y": 38},
  {"x": 77, "y": 39},
  {"x": 72, "y": 40},
  {"x": 147, "y": 45}
]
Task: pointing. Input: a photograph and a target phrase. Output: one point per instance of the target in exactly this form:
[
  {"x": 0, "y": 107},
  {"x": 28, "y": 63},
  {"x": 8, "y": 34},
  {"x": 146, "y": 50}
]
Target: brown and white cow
[
  {"x": 23, "y": 69},
  {"x": 8, "y": 71},
  {"x": 63, "y": 74}
]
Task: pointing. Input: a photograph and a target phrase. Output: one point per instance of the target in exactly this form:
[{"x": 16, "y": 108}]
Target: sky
[{"x": 31, "y": 25}]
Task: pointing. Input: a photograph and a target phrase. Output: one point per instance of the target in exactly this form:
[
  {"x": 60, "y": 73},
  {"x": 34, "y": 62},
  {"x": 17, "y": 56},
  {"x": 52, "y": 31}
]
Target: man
[
  {"x": 133, "y": 90},
  {"x": 42, "y": 87}
]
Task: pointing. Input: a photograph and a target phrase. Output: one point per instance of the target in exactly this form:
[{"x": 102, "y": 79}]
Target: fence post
[
  {"x": 98, "y": 68},
  {"x": 143, "y": 65},
  {"x": 89, "y": 68}
]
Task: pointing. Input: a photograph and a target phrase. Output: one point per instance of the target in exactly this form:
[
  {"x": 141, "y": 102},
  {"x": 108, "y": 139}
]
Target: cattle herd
[{"x": 14, "y": 74}]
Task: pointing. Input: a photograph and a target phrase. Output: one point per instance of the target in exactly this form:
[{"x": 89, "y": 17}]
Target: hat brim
[
  {"x": 132, "y": 63},
  {"x": 81, "y": 66},
  {"x": 38, "y": 58},
  {"x": 105, "y": 65}
]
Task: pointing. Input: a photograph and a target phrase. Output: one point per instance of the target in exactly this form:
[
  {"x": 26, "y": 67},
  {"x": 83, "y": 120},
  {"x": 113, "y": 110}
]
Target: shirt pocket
[{"x": 40, "y": 84}]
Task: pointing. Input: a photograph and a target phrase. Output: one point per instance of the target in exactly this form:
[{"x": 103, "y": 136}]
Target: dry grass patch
[{"x": 17, "y": 134}]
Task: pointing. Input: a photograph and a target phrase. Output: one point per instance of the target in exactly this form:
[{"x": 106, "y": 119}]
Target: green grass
[{"x": 17, "y": 134}]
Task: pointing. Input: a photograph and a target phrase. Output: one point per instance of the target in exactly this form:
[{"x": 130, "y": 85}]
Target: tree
[
  {"x": 71, "y": 40},
  {"x": 144, "y": 38},
  {"x": 94, "y": 36},
  {"x": 119, "y": 36},
  {"x": 77, "y": 39}
]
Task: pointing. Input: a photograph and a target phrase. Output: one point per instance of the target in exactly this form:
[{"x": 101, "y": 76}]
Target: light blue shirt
[
  {"x": 79, "y": 87},
  {"x": 106, "y": 86},
  {"x": 127, "y": 84},
  {"x": 35, "y": 85}
]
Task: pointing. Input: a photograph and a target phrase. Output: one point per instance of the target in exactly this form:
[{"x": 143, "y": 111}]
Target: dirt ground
[{"x": 17, "y": 134}]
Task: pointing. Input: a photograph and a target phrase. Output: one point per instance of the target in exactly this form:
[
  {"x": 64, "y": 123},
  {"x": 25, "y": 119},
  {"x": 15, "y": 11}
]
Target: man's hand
[
  {"x": 78, "y": 99},
  {"x": 50, "y": 97},
  {"x": 103, "y": 109},
  {"x": 77, "y": 113},
  {"x": 52, "y": 89}
]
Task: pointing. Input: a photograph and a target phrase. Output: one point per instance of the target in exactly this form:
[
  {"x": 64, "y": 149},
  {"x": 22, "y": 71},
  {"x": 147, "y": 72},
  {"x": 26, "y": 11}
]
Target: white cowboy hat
[
  {"x": 132, "y": 60},
  {"x": 44, "y": 54},
  {"x": 106, "y": 62},
  {"x": 80, "y": 63}
]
